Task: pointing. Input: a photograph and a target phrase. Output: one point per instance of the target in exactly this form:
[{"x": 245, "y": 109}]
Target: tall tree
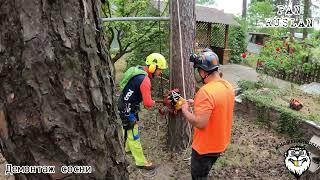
[
  {"x": 293, "y": 30},
  {"x": 258, "y": 11},
  {"x": 244, "y": 9},
  {"x": 56, "y": 89},
  {"x": 306, "y": 14},
  {"x": 178, "y": 129}
]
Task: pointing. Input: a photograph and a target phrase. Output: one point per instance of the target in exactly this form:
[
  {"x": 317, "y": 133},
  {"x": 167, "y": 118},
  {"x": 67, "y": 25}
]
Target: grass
[{"x": 268, "y": 96}]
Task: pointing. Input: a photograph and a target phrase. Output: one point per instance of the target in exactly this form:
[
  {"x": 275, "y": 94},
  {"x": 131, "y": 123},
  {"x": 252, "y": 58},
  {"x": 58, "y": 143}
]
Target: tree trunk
[
  {"x": 56, "y": 89},
  {"x": 306, "y": 14},
  {"x": 292, "y": 30},
  {"x": 178, "y": 129},
  {"x": 244, "y": 9}
]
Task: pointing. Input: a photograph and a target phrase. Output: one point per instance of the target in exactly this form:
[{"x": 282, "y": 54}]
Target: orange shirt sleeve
[
  {"x": 203, "y": 102},
  {"x": 145, "y": 89}
]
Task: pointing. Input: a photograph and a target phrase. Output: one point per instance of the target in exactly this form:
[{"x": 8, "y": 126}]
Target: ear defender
[{"x": 152, "y": 68}]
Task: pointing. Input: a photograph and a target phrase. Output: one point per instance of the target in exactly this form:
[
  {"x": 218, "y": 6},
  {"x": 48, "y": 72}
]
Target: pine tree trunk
[
  {"x": 293, "y": 30},
  {"x": 56, "y": 89},
  {"x": 178, "y": 129},
  {"x": 244, "y": 9},
  {"x": 306, "y": 15}
]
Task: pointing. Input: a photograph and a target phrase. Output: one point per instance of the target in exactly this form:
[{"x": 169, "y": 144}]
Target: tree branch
[
  {"x": 109, "y": 8},
  {"x": 140, "y": 40},
  {"x": 154, "y": 23},
  {"x": 112, "y": 37},
  {"x": 125, "y": 51},
  {"x": 118, "y": 39},
  {"x": 127, "y": 46},
  {"x": 140, "y": 43},
  {"x": 117, "y": 57}
]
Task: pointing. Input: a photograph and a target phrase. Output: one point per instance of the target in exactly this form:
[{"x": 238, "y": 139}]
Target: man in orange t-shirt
[{"x": 212, "y": 117}]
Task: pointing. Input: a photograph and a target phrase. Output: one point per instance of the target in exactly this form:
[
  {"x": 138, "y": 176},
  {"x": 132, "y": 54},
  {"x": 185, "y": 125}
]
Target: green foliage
[
  {"x": 138, "y": 56},
  {"x": 262, "y": 120},
  {"x": 307, "y": 67},
  {"x": 315, "y": 117},
  {"x": 258, "y": 11},
  {"x": 251, "y": 85},
  {"x": 130, "y": 35},
  {"x": 250, "y": 60},
  {"x": 288, "y": 123},
  {"x": 246, "y": 85},
  {"x": 276, "y": 57},
  {"x": 289, "y": 120},
  {"x": 238, "y": 40},
  {"x": 316, "y": 34},
  {"x": 205, "y": 2},
  {"x": 262, "y": 99},
  {"x": 265, "y": 101}
]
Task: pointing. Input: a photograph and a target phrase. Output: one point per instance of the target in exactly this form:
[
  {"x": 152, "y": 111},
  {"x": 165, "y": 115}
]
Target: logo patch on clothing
[{"x": 128, "y": 95}]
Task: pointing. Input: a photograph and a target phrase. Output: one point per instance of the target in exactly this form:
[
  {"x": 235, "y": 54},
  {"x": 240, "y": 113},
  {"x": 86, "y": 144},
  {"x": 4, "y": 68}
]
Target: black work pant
[{"x": 201, "y": 164}]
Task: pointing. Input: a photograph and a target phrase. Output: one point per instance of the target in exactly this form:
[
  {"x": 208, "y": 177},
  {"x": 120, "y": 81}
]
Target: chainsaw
[
  {"x": 172, "y": 102},
  {"x": 295, "y": 104}
]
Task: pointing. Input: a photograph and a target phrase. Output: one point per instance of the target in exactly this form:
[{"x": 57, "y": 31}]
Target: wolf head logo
[{"x": 297, "y": 160}]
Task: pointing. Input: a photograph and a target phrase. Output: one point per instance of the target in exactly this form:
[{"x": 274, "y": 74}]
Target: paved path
[{"x": 234, "y": 72}]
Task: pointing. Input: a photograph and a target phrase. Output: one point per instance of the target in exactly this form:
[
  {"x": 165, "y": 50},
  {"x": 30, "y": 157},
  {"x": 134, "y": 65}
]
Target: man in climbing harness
[
  {"x": 212, "y": 117},
  {"x": 136, "y": 87}
]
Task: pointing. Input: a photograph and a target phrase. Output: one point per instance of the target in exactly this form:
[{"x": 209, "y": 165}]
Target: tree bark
[
  {"x": 178, "y": 129},
  {"x": 292, "y": 30},
  {"x": 56, "y": 89},
  {"x": 244, "y": 9},
  {"x": 306, "y": 14}
]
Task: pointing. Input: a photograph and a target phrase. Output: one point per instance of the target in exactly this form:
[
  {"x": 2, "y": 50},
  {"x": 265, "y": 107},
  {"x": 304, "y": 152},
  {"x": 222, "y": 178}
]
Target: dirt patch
[{"x": 251, "y": 155}]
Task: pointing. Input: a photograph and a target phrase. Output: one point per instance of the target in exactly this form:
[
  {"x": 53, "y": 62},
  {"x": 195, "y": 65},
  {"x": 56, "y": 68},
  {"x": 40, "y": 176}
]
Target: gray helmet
[{"x": 207, "y": 60}]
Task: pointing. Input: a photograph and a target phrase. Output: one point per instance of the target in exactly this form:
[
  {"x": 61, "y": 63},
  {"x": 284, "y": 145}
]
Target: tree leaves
[
  {"x": 258, "y": 11},
  {"x": 129, "y": 35},
  {"x": 205, "y": 2}
]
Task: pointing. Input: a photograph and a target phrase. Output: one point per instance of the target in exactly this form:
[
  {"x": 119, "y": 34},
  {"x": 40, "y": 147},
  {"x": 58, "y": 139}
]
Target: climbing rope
[
  {"x": 182, "y": 69},
  {"x": 181, "y": 55}
]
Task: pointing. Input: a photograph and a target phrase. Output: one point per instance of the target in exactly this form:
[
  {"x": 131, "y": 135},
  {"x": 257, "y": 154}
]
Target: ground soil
[{"x": 251, "y": 155}]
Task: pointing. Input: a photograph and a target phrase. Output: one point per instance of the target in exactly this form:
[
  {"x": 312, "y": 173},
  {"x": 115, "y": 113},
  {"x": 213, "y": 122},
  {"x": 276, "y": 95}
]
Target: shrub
[{"x": 238, "y": 41}]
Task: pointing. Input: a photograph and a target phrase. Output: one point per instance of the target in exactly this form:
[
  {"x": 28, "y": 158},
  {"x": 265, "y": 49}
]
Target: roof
[
  {"x": 213, "y": 15},
  {"x": 206, "y": 14}
]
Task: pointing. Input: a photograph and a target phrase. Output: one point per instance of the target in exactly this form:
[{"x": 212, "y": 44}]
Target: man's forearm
[{"x": 191, "y": 118}]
